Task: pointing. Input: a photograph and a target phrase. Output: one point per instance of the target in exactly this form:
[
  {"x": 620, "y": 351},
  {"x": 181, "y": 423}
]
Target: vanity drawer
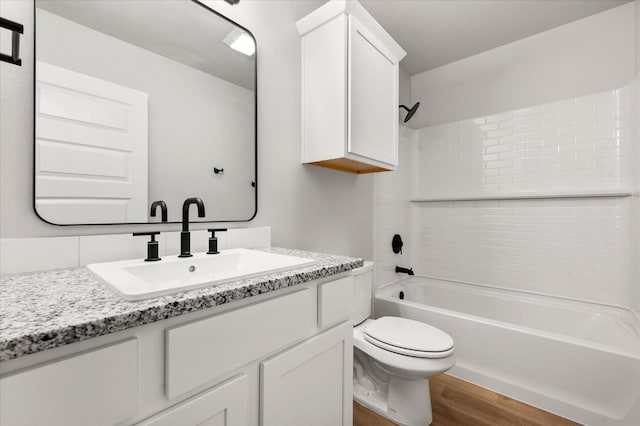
[
  {"x": 334, "y": 301},
  {"x": 201, "y": 351},
  {"x": 99, "y": 387}
]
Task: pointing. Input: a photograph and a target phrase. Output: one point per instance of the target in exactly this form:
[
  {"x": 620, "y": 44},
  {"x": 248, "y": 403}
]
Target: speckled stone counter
[{"x": 44, "y": 310}]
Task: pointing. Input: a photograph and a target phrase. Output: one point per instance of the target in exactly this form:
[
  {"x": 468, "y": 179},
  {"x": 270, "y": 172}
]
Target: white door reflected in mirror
[{"x": 91, "y": 148}]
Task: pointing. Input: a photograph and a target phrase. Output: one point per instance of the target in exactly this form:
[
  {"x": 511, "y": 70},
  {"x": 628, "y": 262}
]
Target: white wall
[
  {"x": 307, "y": 207},
  {"x": 590, "y": 55}
]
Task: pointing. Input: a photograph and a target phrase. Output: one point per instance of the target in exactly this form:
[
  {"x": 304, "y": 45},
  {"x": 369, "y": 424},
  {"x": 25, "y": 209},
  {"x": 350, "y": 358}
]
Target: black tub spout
[{"x": 401, "y": 270}]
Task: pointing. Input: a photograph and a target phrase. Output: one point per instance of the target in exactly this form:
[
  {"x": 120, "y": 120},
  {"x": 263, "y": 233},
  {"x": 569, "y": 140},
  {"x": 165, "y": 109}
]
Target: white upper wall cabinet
[{"x": 349, "y": 90}]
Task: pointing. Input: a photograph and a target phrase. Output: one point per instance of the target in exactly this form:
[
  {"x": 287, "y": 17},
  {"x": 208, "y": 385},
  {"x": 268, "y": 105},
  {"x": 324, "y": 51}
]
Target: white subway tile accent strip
[
  {"x": 18, "y": 255},
  {"x": 22, "y": 255},
  {"x": 108, "y": 248},
  {"x": 249, "y": 237}
]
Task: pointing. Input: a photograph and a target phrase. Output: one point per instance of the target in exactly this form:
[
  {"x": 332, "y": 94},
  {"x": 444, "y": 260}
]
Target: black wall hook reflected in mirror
[{"x": 16, "y": 29}]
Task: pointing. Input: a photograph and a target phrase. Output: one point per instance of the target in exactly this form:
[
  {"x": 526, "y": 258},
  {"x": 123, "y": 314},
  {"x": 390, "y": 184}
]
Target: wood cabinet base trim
[{"x": 350, "y": 166}]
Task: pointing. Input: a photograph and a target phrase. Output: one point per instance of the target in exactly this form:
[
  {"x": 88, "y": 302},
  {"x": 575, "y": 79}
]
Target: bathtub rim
[
  {"x": 385, "y": 292},
  {"x": 521, "y": 292}
]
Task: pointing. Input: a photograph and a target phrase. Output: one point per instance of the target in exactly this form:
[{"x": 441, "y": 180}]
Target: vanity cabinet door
[
  {"x": 311, "y": 383},
  {"x": 223, "y": 405},
  {"x": 373, "y": 96}
]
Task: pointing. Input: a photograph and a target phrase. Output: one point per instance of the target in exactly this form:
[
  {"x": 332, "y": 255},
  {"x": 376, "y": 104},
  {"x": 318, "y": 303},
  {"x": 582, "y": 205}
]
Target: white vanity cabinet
[
  {"x": 203, "y": 350},
  {"x": 311, "y": 383},
  {"x": 281, "y": 358},
  {"x": 350, "y": 68}
]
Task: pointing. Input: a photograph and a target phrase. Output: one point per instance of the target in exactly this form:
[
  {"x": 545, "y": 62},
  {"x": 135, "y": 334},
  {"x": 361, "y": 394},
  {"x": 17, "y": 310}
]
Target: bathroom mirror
[{"x": 140, "y": 101}]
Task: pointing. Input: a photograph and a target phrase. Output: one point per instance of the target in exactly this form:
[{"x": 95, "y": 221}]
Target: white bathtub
[{"x": 576, "y": 359}]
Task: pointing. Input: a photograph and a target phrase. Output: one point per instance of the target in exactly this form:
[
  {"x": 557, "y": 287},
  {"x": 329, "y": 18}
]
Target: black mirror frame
[{"x": 254, "y": 183}]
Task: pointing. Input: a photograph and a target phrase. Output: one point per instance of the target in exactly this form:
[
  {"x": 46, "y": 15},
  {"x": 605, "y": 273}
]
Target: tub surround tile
[
  {"x": 577, "y": 144},
  {"x": 44, "y": 310}
]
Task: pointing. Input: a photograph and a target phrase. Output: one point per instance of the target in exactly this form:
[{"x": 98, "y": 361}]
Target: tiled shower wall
[
  {"x": 576, "y": 248},
  {"x": 393, "y": 212},
  {"x": 574, "y": 144},
  {"x": 579, "y": 248}
]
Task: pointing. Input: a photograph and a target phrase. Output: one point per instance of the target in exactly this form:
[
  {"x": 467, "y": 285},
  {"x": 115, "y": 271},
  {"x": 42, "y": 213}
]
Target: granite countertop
[{"x": 44, "y": 310}]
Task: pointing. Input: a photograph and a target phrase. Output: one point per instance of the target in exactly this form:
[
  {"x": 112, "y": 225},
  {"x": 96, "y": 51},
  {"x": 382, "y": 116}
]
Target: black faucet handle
[
  {"x": 152, "y": 234},
  {"x": 213, "y": 241},
  {"x": 152, "y": 245},
  {"x": 214, "y": 230}
]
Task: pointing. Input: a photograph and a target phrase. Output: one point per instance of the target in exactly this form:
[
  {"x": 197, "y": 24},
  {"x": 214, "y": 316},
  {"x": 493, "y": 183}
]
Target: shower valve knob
[{"x": 396, "y": 244}]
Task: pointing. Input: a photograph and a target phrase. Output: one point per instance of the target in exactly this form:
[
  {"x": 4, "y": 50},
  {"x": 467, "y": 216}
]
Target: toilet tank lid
[{"x": 409, "y": 334}]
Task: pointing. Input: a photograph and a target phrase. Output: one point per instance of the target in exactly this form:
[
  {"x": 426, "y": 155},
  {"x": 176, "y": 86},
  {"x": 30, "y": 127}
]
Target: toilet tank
[{"x": 362, "y": 293}]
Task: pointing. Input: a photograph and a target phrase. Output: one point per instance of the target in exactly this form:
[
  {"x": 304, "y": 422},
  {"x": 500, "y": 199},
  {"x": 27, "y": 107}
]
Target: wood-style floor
[{"x": 459, "y": 403}]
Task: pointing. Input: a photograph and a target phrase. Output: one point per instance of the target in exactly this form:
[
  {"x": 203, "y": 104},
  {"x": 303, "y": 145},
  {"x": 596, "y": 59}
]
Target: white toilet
[{"x": 393, "y": 357}]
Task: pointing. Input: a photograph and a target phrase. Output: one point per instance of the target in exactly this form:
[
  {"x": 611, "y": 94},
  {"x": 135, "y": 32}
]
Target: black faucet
[
  {"x": 185, "y": 235},
  {"x": 401, "y": 270},
  {"x": 163, "y": 208}
]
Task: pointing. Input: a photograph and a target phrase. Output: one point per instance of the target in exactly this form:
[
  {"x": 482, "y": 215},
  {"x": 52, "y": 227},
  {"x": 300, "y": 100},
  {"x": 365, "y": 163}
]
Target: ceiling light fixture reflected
[{"x": 241, "y": 41}]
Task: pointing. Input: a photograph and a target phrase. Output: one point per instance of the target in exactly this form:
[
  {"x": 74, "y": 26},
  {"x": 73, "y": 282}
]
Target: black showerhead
[{"x": 411, "y": 111}]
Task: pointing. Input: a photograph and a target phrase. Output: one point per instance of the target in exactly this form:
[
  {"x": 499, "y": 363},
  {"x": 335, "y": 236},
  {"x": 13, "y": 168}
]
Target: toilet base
[
  {"x": 408, "y": 402},
  {"x": 405, "y": 402}
]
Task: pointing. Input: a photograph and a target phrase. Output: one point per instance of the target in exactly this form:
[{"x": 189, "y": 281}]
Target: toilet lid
[{"x": 409, "y": 337}]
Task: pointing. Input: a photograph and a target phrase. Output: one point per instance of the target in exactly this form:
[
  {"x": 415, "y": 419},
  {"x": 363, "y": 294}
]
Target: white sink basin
[{"x": 137, "y": 279}]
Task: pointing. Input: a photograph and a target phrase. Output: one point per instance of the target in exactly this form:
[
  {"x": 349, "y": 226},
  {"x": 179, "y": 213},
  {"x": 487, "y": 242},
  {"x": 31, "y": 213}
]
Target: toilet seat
[
  {"x": 400, "y": 365},
  {"x": 408, "y": 337}
]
